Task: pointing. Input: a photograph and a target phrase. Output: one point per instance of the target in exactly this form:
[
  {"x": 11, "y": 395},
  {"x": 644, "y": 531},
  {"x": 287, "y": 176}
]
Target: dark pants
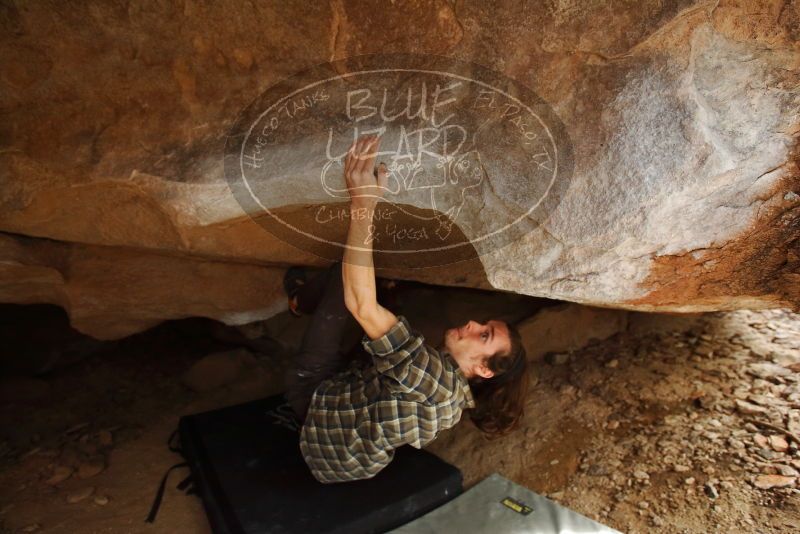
[{"x": 328, "y": 340}]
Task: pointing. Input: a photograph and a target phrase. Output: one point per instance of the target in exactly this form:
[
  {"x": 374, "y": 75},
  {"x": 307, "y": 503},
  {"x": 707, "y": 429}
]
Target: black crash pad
[{"x": 248, "y": 469}]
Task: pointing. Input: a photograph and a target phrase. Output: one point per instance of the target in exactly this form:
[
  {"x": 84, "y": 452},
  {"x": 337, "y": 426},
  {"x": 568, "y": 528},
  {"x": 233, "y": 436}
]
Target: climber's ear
[{"x": 483, "y": 371}]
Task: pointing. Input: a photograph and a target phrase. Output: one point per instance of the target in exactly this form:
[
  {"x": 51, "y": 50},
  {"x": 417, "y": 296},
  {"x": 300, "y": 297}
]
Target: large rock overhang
[{"x": 682, "y": 117}]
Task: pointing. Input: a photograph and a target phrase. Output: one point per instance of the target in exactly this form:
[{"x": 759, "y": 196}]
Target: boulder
[
  {"x": 568, "y": 327},
  {"x": 113, "y": 292},
  {"x": 679, "y": 118},
  {"x": 220, "y": 369}
]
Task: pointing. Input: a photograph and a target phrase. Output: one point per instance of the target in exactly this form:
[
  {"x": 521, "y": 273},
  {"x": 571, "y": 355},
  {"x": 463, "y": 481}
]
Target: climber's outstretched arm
[{"x": 358, "y": 271}]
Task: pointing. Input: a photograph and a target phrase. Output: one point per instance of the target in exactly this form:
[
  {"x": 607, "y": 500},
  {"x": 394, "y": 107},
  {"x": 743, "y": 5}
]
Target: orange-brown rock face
[{"x": 640, "y": 156}]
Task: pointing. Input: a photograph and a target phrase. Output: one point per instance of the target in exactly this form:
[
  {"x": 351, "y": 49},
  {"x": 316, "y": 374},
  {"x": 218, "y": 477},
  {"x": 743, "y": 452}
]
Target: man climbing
[{"x": 353, "y": 419}]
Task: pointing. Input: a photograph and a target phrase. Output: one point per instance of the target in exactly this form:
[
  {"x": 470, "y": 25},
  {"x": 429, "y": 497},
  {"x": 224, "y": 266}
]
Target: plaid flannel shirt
[{"x": 358, "y": 417}]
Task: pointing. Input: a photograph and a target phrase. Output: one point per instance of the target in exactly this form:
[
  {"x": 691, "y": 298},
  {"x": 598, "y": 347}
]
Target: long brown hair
[{"x": 500, "y": 400}]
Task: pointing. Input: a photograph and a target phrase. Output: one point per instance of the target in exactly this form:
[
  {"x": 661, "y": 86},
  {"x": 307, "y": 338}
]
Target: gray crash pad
[{"x": 496, "y": 505}]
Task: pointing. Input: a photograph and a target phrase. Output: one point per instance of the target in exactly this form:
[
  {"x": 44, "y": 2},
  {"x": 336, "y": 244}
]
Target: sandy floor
[{"x": 667, "y": 432}]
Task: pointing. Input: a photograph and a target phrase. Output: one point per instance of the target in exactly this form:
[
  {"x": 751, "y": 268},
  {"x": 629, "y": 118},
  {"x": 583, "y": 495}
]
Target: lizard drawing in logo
[{"x": 423, "y": 172}]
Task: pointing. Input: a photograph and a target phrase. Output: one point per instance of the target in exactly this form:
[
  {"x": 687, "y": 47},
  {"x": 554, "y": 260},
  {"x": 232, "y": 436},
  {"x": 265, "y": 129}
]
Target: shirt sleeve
[{"x": 410, "y": 370}]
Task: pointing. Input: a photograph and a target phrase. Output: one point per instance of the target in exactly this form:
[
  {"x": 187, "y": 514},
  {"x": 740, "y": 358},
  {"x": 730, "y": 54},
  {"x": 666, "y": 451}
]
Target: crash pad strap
[{"x": 160, "y": 493}]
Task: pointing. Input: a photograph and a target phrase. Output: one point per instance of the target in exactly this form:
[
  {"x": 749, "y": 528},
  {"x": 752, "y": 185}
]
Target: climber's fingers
[{"x": 366, "y": 155}]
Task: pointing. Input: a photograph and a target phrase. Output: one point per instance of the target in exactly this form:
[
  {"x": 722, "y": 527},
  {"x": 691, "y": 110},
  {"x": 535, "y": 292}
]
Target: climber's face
[{"x": 472, "y": 343}]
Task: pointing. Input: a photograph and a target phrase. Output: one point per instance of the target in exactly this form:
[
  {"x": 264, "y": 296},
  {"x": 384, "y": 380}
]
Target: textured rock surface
[
  {"x": 112, "y": 292},
  {"x": 685, "y": 194},
  {"x": 219, "y": 369},
  {"x": 569, "y": 327}
]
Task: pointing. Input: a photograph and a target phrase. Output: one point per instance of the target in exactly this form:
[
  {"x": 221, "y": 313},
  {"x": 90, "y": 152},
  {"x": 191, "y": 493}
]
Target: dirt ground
[{"x": 686, "y": 430}]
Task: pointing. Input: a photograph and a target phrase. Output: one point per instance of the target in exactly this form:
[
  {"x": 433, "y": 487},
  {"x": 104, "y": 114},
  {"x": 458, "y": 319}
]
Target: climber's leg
[{"x": 320, "y": 356}]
